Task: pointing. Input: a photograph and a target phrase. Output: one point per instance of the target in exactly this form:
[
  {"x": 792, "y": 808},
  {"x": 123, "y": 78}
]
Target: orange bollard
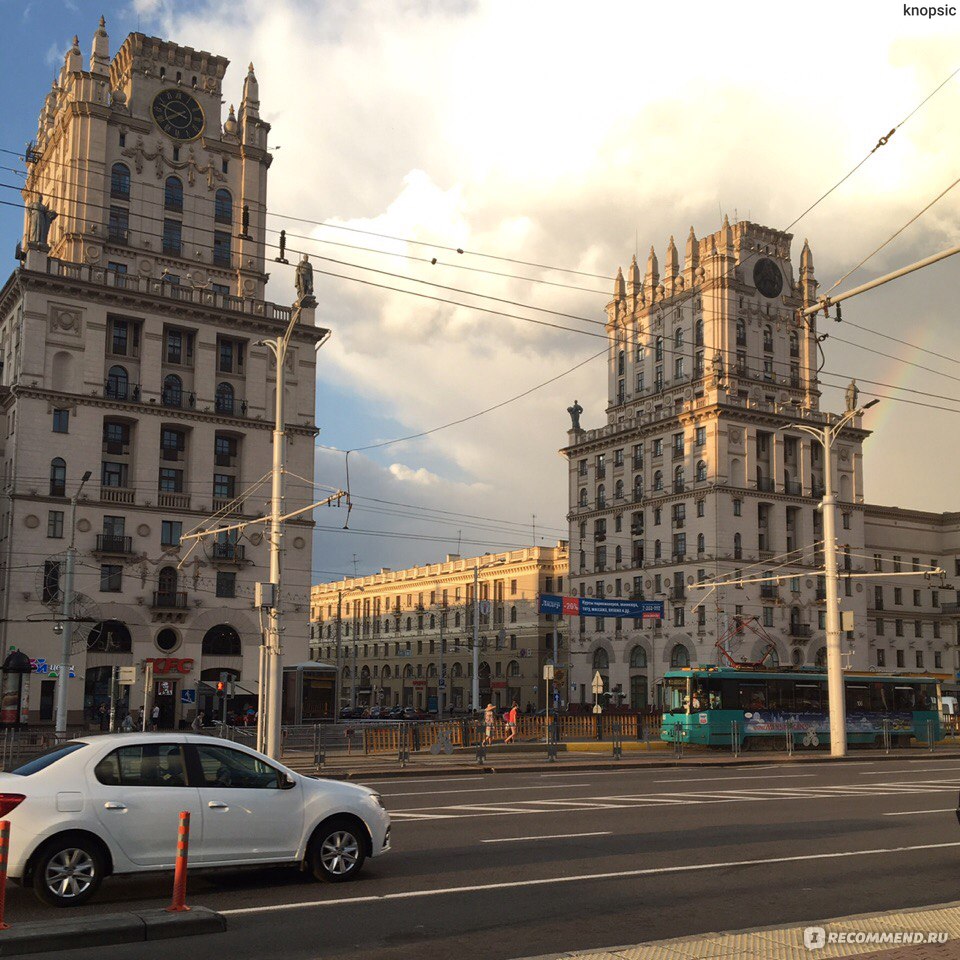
[
  {"x": 4, "y": 852},
  {"x": 180, "y": 873}
]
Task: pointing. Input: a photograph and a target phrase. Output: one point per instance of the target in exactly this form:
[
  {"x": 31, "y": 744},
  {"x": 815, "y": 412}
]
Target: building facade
[
  {"x": 130, "y": 347},
  {"x": 699, "y": 473},
  {"x": 400, "y": 631}
]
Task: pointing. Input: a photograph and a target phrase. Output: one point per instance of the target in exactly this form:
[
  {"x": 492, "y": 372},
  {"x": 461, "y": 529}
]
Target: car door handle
[
  {"x": 218, "y": 805},
  {"x": 114, "y": 805}
]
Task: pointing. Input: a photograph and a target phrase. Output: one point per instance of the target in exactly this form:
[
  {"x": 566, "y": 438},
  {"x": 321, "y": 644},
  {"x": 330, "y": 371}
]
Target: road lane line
[
  {"x": 450, "y": 793},
  {"x": 613, "y": 875},
  {"x": 880, "y": 773},
  {"x": 398, "y": 781},
  {"x": 907, "y": 813},
  {"x": 779, "y": 776},
  {"x": 554, "y": 836}
]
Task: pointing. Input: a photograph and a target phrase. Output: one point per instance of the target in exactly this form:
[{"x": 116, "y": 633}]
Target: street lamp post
[
  {"x": 336, "y": 680},
  {"x": 63, "y": 671},
  {"x": 475, "y": 686},
  {"x": 837, "y": 706}
]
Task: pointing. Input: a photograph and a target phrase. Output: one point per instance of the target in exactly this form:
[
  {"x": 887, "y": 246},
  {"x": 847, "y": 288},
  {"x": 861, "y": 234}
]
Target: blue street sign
[
  {"x": 556, "y": 696},
  {"x": 596, "y": 607},
  {"x": 188, "y": 696}
]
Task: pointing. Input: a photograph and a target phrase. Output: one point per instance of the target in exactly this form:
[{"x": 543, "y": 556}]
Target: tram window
[
  {"x": 753, "y": 696},
  {"x": 926, "y": 696},
  {"x": 881, "y": 697},
  {"x": 904, "y": 698},
  {"x": 807, "y": 697},
  {"x": 781, "y": 694},
  {"x": 858, "y": 697},
  {"x": 715, "y": 699}
]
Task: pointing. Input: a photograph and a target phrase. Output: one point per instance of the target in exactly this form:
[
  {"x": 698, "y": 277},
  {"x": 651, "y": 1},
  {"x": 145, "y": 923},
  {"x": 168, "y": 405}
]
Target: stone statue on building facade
[
  {"x": 852, "y": 395},
  {"x": 39, "y": 219},
  {"x": 575, "y": 412},
  {"x": 305, "y": 295}
]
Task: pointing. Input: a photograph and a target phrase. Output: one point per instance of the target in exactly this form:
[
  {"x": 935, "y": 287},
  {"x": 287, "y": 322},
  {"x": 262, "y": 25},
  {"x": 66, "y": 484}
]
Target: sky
[{"x": 536, "y": 136}]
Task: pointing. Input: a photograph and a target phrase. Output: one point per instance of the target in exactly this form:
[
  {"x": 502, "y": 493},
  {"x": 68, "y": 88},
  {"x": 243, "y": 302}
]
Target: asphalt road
[{"x": 516, "y": 865}]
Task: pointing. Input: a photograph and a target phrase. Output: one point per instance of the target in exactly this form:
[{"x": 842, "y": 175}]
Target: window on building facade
[
  {"x": 120, "y": 181},
  {"x": 111, "y": 578},
  {"x": 881, "y": 657},
  {"x": 55, "y": 524},
  {"x": 172, "y": 237},
  {"x": 223, "y": 206},
  {"x": 226, "y": 584},
  {"x": 173, "y": 195},
  {"x": 61, "y": 421},
  {"x": 58, "y": 477},
  {"x": 170, "y": 531}
]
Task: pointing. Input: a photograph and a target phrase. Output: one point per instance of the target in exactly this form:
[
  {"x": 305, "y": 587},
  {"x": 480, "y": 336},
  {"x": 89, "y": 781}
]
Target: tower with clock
[{"x": 135, "y": 379}]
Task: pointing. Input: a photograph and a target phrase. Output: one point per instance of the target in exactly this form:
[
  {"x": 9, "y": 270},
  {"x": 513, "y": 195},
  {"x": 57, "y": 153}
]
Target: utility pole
[
  {"x": 440, "y": 678},
  {"x": 63, "y": 671},
  {"x": 835, "y": 693},
  {"x": 336, "y": 679},
  {"x": 353, "y": 669}
]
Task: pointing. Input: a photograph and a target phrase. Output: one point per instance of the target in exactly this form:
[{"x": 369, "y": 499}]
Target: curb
[
  {"x": 608, "y": 764},
  {"x": 108, "y": 929}
]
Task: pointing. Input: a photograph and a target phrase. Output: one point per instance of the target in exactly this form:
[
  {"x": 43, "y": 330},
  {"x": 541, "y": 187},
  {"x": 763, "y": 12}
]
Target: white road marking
[
  {"x": 613, "y": 875},
  {"x": 907, "y": 813},
  {"x": 514, "y": 789},
  {"x": 553, "y": 836},
  {"x": 779, "y": 776},
  {"x": 411, "y": 780},
  {"x": 880, "y": 773}
]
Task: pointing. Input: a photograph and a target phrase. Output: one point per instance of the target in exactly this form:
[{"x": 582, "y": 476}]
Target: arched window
[
  {"x": 701, "y": 543},
  {"x": 658, "y": 480},
  {"x": 223, "y": 207},
  {"x": 58, "y": 477},
  {"x": 638, "y": 487},
  {"x": 701, "y": 471},
  {"x": 658, "y": 349},
  {"x": 513, "y": 614},
  {"x": 513, "y": 669},
  {"x": 698, "y": 332},
  {"x": 431, "y": 669},
  {"x": 407, "y": 671},
  {"x": 794, "y": 344},
  {"x": 601, "y": 659},
  {"x": 583, "y": 497},
  {"x": 120, "y": 181},
  {"x": 456, "y": 670},
  {"x": 618, "y": 555},
  {"x": 768, "y": 338},
  {"x": 601, "y": 497},
  {"x": 821, "y": 659},
  {"x": 173, "y": 195},
  {"x": 737, "y": 547},
  {"x": 385, "y": 673},
  {"x": 773, "y": 659},
  {"x": 118, "y": 383},
  {"x": 678, "y": 480},
  {"x": 221, "y": 641},
  {"x": 618, "y": 490},
  {"x": 679, "y": 656},
  {"x": 109, "y": 636},
  {"x": 678, "y": 338},
  {"x": 741, "y": 334},
  {"x": 224, "y": 398},
  {"x": 409, "y": 622},
  {"x": 172, "y": 391},
  {"x": 638, "y": 658}
]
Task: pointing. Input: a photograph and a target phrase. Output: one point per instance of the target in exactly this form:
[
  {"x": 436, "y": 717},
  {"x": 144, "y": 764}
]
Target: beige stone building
[
  {"x": 401, "y": 630},
  {"x": 130, "y": 347},
  {"x": 697, "y": 471}
]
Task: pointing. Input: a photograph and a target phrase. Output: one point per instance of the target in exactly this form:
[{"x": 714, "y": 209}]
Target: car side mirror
[{"x": 287, "y": 782}]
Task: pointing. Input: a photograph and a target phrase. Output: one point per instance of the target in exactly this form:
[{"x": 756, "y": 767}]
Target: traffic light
[{"x": 221, "y": 686}]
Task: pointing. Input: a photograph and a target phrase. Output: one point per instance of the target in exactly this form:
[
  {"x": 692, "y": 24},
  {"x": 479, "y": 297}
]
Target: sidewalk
[
  {"x": 787, "y": 943},
  {"x": 527, "y": 758}
]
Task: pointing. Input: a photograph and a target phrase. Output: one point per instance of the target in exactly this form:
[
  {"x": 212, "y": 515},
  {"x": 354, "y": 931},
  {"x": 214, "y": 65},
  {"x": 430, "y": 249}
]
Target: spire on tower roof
[
  {"x": 619, "y": 291},
  {"x": 250, "y": 104},
  {"x": 100, "y": 52}
]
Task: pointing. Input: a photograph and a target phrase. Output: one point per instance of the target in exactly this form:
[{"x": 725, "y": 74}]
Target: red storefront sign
[
  {"x": 419, "y": 683},
  {"x": 499, "y": 684},
  {"x": 167, "y": 665}
]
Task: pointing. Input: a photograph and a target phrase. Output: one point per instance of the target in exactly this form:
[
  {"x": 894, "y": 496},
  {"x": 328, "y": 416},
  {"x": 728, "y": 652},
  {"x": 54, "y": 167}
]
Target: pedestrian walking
[
  {"x": 511, "y": 724},
  {"x": 103, "y": 717},
  {"x": 155, "y": 717},
  {"x": 139, "y": 718},
  {"x": 489, "y": 718},
  {"x": 197, "y": 725},
  {"x": 127, "y": 725}
]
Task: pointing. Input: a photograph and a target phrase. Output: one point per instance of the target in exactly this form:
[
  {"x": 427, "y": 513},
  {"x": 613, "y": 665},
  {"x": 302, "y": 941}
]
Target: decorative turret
[
  {"x": 633, "y": 286},
  {"x": 619, "y": 291},
  {"x": 230, "y": 126},
  {"x": 100, "y": 52},
  {"x": 73, "y": 62},
  {"x": 808, "y": 283},
  {"x": 691, "y": 262},
  {"x": 651, "y": 279},
  {"x": 250, "y": 104},
  {"x": 671, "y": 268}
]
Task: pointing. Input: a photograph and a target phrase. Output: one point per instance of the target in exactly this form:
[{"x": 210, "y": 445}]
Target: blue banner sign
[{"x": 589, "y": 607}]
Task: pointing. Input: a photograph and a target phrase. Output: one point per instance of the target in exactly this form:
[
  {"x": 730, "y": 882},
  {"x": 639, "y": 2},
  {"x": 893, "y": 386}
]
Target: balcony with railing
[
  {"x": 765, "y": 484},
  {"x": 792, "y": 487},
  {"x": 102, "y": 276},
  {"x": 173, "y": 501},
  {"x": 169, "y": 600},
  {"x": 229, "y": 552},
  {"x": 116, "y": 494},
  {"x": 108, "y": 543},
  {"x": 801, "y": 630},
  {"x": 117, "y": 389}
]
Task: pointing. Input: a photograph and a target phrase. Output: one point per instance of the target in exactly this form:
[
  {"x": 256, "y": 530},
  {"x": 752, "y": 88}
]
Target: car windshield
[{"x": 50, "y": 756}]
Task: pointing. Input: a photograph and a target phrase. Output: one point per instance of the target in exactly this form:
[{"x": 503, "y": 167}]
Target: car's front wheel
[
  {"x": 67, "y": 872},
  {"x": 337, "y": 850}
]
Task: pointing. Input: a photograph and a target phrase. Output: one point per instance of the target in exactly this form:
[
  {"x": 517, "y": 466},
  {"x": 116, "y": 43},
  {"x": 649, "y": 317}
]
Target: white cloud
[{"x": 564, "y": 134}]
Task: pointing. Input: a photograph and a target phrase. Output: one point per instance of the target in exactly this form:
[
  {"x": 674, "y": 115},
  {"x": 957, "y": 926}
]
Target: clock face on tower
[
  {"x": 178, "y": 114},
  {"x": 767, "y": 278}
]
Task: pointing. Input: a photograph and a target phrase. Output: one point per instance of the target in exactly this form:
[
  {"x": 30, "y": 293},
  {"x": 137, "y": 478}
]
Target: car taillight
[{"x": 9, "y": 802}]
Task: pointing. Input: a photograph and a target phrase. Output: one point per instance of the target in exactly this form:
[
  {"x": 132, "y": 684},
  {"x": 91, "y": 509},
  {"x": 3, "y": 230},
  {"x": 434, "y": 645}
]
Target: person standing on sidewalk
[
  {"x": 511, "y": 724},
  {"x": 489, "y": 716}
]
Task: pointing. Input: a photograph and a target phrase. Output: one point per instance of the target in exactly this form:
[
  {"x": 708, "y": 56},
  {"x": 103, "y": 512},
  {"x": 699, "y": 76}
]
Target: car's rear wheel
[
  {"x": 67, "y": 872},
  {"x": 337, "y": 850}
]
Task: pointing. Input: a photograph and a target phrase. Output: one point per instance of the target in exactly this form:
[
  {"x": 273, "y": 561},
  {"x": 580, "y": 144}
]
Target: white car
[{"x": 110, "y": 805}]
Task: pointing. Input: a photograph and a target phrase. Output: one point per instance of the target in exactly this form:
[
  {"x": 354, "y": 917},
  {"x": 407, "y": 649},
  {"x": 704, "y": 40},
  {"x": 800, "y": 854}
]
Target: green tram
[{"x": 712, "y": 705}]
